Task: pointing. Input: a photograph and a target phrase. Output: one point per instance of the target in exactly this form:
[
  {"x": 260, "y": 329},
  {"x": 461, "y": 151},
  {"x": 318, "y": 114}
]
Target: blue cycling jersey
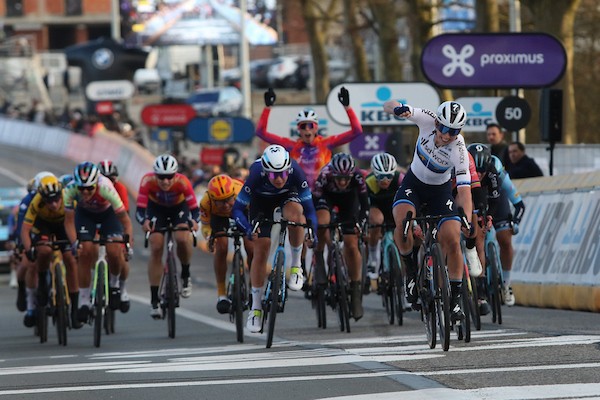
[
  {"x": 23, "y": 206},
  {"x": 258, "y": 185}
]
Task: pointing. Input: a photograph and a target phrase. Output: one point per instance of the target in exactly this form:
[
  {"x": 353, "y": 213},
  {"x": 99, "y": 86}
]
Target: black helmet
[{"x": 481, "y": 154}]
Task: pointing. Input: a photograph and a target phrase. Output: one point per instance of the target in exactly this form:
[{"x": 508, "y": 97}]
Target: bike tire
[
  {"x": 475, "y": 315},
  {"x": 276, "y": 278},
  {"x": 98, "y": 311},
  {"x": 171, "y": 294},
  {"x": 42, "y": 323},
  {"x": 495, "y": 285},
  {"x": 464, "y": 330},
  {"x": 321, "y": 306},
  {"x": 397, "y": 283},
  {"x": 60, "y": 305},
  {"x": 442, "y": 297},
  {"x": 428, "y": 310},
  {"x": 343, "y": 285},
  {"x": 238, "y": 294}
]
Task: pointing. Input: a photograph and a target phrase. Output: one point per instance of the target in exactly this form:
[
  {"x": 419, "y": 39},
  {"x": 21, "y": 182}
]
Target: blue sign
[
  {"x": 161, "y": 134},
  {"x": 492, "y": 60},
  {"x": 220, "y": 130},
  {"x": 366, "y": 146}
]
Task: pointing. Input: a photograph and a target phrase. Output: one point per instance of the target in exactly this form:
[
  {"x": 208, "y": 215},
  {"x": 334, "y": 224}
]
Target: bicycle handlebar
[
  {"x": 170, "y": 228},
  {"x": 432, "y": 218},
  {"x": 261, "y": 220}
]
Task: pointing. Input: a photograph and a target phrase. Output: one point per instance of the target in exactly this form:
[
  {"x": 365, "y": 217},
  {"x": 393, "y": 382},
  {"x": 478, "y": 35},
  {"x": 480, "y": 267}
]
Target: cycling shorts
[
  {"x": 106, "y": 223},
  {"x": 44, "y": 230},
  {"x": 348, "y": 209},
  {"x": 502, "y": 216},
  {"x": 385, "y": 206},
  {"x": 265, "y": 205},
  {"x": 177, "y": 214}
]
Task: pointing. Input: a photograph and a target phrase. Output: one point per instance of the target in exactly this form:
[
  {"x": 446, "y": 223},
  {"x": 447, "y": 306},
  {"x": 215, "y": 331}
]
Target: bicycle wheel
[
  {"x": 442, "y": 296},
  {"x": 396, "y": 283},
  {"x": 42, "y": 323},
  {"x": 171, "y": 293},
  {"x": 60, "y": 305},
  {"x": 238, "y": 294},
  {"x": 366, "y": 281},
  {"x": 99, "y": 298},
  {"x": 276, "y": 279},
  {"x": 495, "y": 285},
  {"x": 464, "y": 329},
  {"x": 428, "y": 310},
  {"x": 474, "y": 295},
  {"x": 341, "y": 276}
]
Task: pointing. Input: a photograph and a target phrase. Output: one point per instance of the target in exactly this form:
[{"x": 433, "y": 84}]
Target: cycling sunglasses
[
  {"x": 382, "y": 177},
  {"x": 86, "y": 188},
  {"x": 275, "y": 175},
  {"x": 447, "y": 130},
  {"x": 165, "y": 177},
  {"x": 342, "y": 177},
  {"x": 225, "y": 201},
  {"x": 306, "y": 125}
]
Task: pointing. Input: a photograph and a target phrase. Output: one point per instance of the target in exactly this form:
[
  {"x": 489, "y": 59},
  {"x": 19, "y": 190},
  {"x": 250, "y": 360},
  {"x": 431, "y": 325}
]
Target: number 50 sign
[{"x": 513, "y": 113}]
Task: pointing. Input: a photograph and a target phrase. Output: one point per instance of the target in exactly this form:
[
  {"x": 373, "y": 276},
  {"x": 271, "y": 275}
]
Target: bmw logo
[{"x": 103, "y": 58}]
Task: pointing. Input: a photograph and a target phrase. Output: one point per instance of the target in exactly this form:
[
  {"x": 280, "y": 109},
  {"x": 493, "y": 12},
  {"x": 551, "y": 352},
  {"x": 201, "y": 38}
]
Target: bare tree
[
  {"x": 385, "y": 16},
  {"x": 354, "y": 30}
]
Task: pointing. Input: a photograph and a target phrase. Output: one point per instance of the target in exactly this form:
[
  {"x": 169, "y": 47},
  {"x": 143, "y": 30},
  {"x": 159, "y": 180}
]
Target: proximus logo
[{"x": 458, "y": 60}]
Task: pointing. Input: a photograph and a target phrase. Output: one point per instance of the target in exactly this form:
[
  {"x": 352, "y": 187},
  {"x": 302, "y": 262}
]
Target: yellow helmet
[
  {"x": 50, "y": 188},
  {"x": 221, "y": 187}
]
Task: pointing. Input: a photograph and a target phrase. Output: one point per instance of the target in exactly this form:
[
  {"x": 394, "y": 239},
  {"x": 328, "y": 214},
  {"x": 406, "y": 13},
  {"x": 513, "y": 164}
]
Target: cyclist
[
  {"x": 109, "y": 170},
  {"x": 382, "y": 183},
  {"x": 340, "y": 185},
  {"x": 92, "y": 205},
  {"x": 45, "y": 218},
  {"x": 438, "y": 150},
  {"x": 215, "y": 211},
  {"x": 500, "y": 190},
  {"x": 311, "y": 151},
  {"x": 166, "y": 194},
  {"x": 274, "y": 181}
]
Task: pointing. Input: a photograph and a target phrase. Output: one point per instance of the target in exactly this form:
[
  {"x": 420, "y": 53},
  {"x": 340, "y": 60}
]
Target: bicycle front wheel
[
  {"x": 442, "y": 295},
  {"x": 341, "y": 276},
  {"x": 396, "y": 284},
  {"x": 495, "y": 284},
  {"x": 171, "y": 294},
  {"x": 428, "y": 310},
  {"x": 60, "y": 305},
  {"x": 468, "y": 302},
  {"x": 98, "y": 308},
  {"x": 276, "y": 279},
  {"x": 238, "y": 294}
]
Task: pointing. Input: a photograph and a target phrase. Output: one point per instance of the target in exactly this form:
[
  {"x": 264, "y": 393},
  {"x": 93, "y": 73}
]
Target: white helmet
[
  {"x": 383, "y": 164},
  {"x": 451, "y": 115},
  {"x": 307, "y": 115},
  {"x": 275, "y": 158},
  {"x": 165, "y": 164},
  {"x": 38, "y": 177}
]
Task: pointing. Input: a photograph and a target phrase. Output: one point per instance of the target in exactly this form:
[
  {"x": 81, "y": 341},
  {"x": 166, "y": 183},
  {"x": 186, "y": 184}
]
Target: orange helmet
[{"x": 221, "y": 187}]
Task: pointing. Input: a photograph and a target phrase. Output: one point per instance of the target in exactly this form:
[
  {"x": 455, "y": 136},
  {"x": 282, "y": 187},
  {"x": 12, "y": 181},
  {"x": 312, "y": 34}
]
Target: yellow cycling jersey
[
  {"x": 37, "y": 209},
  {"x": 208, "y": 206}
]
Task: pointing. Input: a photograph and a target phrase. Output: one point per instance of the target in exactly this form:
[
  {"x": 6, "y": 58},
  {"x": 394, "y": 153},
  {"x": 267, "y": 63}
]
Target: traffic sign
[
  {"x": 168, "y": 114},
  {"x": 513, "y": 113}
]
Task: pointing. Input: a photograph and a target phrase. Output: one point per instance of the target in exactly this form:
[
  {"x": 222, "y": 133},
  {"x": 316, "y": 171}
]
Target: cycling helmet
[
  {"x": 276, "y": 158},
  {"x": 481, "y": 154},
  {"x": 107, "y": 168},
  {"x": 65, "y": 179},
  {"x": 38, "y": 177},
  {"x": 342, "y": 164},
  {"x": 451, "y": 115},
  {"x": 383, "y": 164},
  {"x": 307, "y": 115},
  {"x": 86, "y": 174},
  {"x": 165, "y": 164},
  {"x": 50, "y": 188},
  {"x": 221, "y": 187}
]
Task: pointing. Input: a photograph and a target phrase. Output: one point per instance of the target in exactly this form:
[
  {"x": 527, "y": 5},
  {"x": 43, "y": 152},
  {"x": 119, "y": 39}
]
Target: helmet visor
[
  {"x": 447, "y": 130},
  {"x": 275, "y": 175}
]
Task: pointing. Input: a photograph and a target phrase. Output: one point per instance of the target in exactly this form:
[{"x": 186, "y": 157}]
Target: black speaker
[
  {"x": 14, "y": 8},
  {"x": 551, "y": 115}
]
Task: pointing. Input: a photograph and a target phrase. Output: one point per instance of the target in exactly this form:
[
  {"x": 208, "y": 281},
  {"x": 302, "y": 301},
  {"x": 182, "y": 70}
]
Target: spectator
[
  {"x": 499, "y": 147},
  {"x": 520, "y": 165}
]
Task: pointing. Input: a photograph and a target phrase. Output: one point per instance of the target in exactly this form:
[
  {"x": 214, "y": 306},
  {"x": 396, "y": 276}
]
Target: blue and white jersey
[
  {"x": 257, "y": 185},
  {"x": 431, "y": 164},
  {"x": 505, "y": 184}
]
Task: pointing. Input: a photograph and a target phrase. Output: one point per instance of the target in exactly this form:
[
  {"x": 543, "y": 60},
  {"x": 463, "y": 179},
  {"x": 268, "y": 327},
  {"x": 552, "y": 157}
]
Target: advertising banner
[{"x": 493, "y": 60}]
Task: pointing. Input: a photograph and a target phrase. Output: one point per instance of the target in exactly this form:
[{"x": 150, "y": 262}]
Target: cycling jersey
[
  {"x": 23, "y": 206},
  {"x": 181, "y": 190},
  {"x": 208, "y": 207},
  {"x": 122, "y": 190},
  {"x": 37, "y": 209},
  {"x": 103, "y": 198},
  {"x": 383, "y": 199},
  {"x": 431, "y": 164},
  {"x": 325, "y": 186},
  {"x": 477, "y": 192},
  {"x": 311, "y": 157},
  {"x": 258, "y": 188},
  {"x": 500, "y": 190}
]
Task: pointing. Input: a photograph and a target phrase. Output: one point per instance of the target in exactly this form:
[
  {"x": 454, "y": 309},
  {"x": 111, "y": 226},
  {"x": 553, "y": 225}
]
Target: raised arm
[
  {"x": 355, "y": 126},
  {"x": 261, "y": 127}
]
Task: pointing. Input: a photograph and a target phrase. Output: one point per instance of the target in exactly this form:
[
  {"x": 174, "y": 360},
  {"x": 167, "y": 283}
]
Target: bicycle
[
  {"x": 433, "y": 283},
  {"x": 102, "y": 315},
  {"x": 56, "y": 301},
  {"x": 494, "y": 281},
  {"x": 276, "y": 290},
  {"x": 336, "y": 290},
  {"x": 390, "y": 283},
  {"x": 237, "y": 286},
  {"x": 469, "y": 301},
  {"x": 169, "y": 288}
]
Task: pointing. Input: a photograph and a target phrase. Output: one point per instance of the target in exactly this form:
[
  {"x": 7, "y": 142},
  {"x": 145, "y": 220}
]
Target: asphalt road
[{"x": 535, "y": 353}]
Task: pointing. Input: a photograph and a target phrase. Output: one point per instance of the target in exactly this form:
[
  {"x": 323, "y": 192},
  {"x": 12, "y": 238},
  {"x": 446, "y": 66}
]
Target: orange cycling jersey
[
  {"x": 208, "y": 206},
  {"x": 311, "y": 157},
  {"x": 181, "y": 190}
]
